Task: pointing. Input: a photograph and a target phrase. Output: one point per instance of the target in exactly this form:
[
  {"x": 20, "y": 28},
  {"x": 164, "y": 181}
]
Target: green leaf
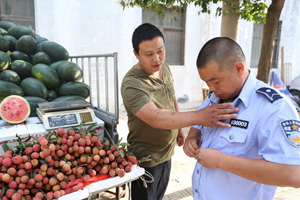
[
  {"x": 3, "y": 189},
  {"x": 124, "y": 144},
  {"x": 90, "y": 127},
  {"x": 44, "y": 162},
  {"x": 5, "y": 147},
  {"x": 93, "y": 132},
  {"x": 53, "y": 140},
  {"x": 28, "y": 139},
  {"x": 121, "y": 154}
]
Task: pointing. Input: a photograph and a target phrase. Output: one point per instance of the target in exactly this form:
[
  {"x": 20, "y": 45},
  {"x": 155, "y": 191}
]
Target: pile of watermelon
[{"x": 37, "y": 69}]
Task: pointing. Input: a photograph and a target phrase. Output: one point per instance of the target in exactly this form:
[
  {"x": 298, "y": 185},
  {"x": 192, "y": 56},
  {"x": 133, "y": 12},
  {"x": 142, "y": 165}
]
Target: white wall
[
  {"x": 290, "y": 37},
  {"x": 102, "y": 26}
]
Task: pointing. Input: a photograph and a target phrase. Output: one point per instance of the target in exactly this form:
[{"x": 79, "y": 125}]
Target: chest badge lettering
[
  {"x": 291, "y": 130},
  {"x": 239, "y": 123}
]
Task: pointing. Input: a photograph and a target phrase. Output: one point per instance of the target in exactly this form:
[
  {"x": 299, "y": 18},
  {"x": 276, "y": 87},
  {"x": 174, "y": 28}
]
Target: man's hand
[
  {"x": 213, "y": 114},
  {"x": 192, "y": 142},
  {"x": 180, "y": 137},
  {"x": 209, "y": 158}
]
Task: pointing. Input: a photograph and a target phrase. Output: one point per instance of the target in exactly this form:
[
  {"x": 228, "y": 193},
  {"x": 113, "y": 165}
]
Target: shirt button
[
  {"x": 196, "y": 191},
  {"x": 198, "y": 171},
  {"x": 230, "y": 137}
]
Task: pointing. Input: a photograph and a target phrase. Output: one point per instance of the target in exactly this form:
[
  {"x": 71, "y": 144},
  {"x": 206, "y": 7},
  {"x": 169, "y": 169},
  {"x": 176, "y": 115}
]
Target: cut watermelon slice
[{"x": 14, "y": 109}]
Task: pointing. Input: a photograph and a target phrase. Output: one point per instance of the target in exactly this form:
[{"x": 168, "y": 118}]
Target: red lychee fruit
[
  {"x": 111, "y": 157},
  {"x": 21, "y": 172},
  {"x": 86, "y": 178},
  {"x": 52, "y": 147},
  {"x": 46, "y": 152},
  {"x": 36, "y": 147},
  {"x": 59, "y": 153},
  {"x": 7, "y": 162},
  {"x": 16, "y": 196},
  {"x": 52, "y": 181},
  {"x": 80, "y": 149},
  {"x": 69, "y": 142},
  {"x": 12, "y": 171},
  {"x": 49, "y": 195},
  {"x": 76, "y": 137},
  {"x": 5, "y": 178},
  {"x": 128, "y": 168},
  {"x": 113, "y": 148},
  {"x": 92, "y": 172},
  {"x": 17, "y": 159},
  {"x": 108, "y": 152},
  {"x": 60, "y": 176},
  {"x": 106, "y": 160},
  {"x": 24, "y": 179},
  {"x": 132, "y": 159},
  {"x": 25, "y": 158},
  {"x": 106, "y": 143},
  {"x": 95, "y": 150},
  {"x": 124, "y": 163},
  {"x": 35, "y": 155},
  {"x": 64, "y": 147},
  {"x": 34, "y": 162},
  {"x": 94, "y": 139},
  {"x": 116, "y": 154},
  {"x": 31, "y": 181},
  {"x": 102, "y": 152},
  {"x": 56, "y": 194},
  {"x": 60, "y": 131},
  {"x": 43, "y": 141},
  {"x": 104, "y": 170},
  {"x": 38, "y": 177},
  {"x": 71, "y": 132},
  {"x": 8, "y": 154},
  {"x": 81, "y": 142},
  {"x": 43, "y": 167},
  {"x": 112, "y": 172},
  {"x": 9, "y": 193},
  {"x": 121, "y": 173},
  {"x": 13, "y": 185},
  {"x": 87, "y": 149}
]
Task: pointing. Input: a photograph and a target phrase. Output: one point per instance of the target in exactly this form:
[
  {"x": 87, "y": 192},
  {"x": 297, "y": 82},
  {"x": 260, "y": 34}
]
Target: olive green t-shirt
[{"x": 137, "y": 89}]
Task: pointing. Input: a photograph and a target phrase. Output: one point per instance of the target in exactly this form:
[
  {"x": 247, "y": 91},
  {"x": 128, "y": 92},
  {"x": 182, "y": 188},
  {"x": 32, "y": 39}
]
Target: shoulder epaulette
[{"x": 270, "y": 93}]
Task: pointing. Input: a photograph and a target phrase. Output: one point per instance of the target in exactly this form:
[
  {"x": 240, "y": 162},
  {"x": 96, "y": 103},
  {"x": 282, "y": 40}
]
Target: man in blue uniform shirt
[{"x": 261, "y": 149}]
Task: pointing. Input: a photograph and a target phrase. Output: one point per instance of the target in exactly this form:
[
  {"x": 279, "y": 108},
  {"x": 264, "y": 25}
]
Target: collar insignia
[{"x": 291, "y": 130}]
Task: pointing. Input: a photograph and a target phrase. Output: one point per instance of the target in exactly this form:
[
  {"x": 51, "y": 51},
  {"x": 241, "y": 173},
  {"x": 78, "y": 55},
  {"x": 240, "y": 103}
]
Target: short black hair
[
  {"x": 144, "y": 32},
  {"x": 222, "y": 50}
]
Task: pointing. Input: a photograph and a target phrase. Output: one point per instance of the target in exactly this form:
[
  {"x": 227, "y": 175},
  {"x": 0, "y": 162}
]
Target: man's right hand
[
  {"x": 192, "y": 142},
  {"x": 215, "y": 113}
]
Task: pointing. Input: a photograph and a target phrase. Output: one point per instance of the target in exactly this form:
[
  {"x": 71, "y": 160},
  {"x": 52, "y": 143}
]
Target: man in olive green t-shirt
[{"x": 154, "y": 121}]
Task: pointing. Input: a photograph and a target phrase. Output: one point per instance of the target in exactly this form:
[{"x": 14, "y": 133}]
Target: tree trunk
[
  {"x": 267, "y": 46},
  {"x": 230, "y": 22}
]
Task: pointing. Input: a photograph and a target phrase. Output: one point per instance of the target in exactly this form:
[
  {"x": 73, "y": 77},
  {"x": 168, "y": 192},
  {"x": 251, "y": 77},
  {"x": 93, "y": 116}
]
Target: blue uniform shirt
[{"x": 267, "y": 127}]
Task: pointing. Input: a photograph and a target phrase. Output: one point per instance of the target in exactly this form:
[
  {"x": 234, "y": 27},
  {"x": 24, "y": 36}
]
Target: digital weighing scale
[{"x": 61, "y": 114}]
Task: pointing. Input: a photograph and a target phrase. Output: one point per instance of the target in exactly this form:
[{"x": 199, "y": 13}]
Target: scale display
[
  {"x": 62, "y": 120},
  {"x": 66, "y": 118}
]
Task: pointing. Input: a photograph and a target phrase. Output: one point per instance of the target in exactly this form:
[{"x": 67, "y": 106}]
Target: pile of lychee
[{"x": 44, "y": 167}]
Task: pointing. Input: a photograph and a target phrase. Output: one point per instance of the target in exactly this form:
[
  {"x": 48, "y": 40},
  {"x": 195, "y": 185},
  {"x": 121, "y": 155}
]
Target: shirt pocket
[{"x": 233, "y": 142}]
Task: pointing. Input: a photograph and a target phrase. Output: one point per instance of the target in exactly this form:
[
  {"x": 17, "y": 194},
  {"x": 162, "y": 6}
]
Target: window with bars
[
  {"x": 258, "y": 30},
  {"x": 173, "y": 31},
  {"x": 20, "y": 12}
]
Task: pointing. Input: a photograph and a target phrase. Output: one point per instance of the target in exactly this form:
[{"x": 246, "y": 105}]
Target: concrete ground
[{"x": 180, "y": 185}]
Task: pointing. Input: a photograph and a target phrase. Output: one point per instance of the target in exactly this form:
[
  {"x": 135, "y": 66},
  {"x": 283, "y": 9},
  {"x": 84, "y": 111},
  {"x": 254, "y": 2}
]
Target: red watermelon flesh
[{"x": 14, "y": 109}]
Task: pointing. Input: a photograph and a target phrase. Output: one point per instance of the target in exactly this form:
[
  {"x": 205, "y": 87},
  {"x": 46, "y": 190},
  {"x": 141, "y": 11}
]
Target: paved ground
[{"x": 179, "y": 187}]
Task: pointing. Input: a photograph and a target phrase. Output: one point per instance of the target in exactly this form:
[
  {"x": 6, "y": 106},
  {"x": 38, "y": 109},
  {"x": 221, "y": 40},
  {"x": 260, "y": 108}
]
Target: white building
[{"x": 102, "y": 26}]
